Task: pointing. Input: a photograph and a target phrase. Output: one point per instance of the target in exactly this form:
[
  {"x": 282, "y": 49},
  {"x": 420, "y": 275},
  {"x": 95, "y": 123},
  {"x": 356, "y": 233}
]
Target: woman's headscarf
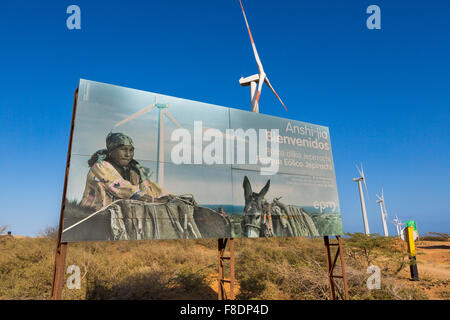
[{"x": 113, "y": 141}]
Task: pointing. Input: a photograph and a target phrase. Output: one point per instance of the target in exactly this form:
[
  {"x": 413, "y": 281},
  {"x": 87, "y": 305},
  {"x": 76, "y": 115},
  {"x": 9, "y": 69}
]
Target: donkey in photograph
[
  {"x": 264, "y": 219},
  {"x": 254, "y": 225}
]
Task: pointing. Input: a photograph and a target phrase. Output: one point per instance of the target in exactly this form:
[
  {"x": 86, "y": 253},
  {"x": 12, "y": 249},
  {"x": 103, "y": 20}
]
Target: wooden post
[
  {"x": 222, "y": 294},
  {"x": 331, "y": 266},
  {"x": 61, "y": 247}
]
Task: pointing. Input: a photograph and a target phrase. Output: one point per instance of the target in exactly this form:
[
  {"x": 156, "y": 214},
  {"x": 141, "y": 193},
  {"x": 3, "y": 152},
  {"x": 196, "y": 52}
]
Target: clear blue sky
[{"x": 384, "y": 94}]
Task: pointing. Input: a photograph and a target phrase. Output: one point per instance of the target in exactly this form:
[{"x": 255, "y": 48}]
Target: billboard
[{"x": 149, "y": 166}]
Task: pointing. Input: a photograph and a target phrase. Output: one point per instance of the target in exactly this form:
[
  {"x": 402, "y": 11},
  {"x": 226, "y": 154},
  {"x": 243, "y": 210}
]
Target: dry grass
[{"x": 276, "y": 268}]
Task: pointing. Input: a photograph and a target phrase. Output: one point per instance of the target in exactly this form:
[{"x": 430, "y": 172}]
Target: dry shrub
[
  {"x": 151, "y": 284},
  {"x": 281, "y": 268},
  {"x": 389, "y": 254},
  {"x": 139, "y": 269},
  {"x": 275, "y": 268},
  {"x": 362, "y": 250},
  {"x": 26, "y": 268},
  {"x": 306, "y": 282},
  {"x": 191, "y": 278},
  {"x": 390, "y": 289},
  {"x": 49, "y": 232},
  {"x": 296, "y": 269},
  {"x": 435, "y": 236}
]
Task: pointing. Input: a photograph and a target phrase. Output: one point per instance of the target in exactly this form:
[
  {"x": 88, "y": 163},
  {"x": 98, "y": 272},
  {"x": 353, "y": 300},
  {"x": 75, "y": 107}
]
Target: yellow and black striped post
[{"x": 410, "y": 227}]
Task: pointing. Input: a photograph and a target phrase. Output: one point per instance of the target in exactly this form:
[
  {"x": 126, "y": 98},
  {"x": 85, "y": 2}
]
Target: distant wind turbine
[
  {"x": 162, "y": 109},
  {"x": 380, "y": 201},
  {"x": 361, "y": 196},
  {"x": 256, "y": 78},
  {"x": 398, "y": 225}
]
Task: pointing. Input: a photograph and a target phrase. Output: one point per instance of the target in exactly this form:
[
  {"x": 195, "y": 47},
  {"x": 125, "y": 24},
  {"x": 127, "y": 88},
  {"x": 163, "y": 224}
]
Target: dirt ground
[{"x": 433, "y": 264}]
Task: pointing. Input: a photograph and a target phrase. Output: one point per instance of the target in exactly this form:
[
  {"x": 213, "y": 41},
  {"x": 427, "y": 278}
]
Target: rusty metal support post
[
  {"x": 222, "y": 244},
  {"x": 232, "y": 278},
  {"x": 221, "y": 249},
  {"x": 58, "y": 272},
  {"x": 329, "y": 270},
  {"x": 61, "y": 247},
  {"x": 344, "y": 277},
  {"x": 331, "y": 266}
]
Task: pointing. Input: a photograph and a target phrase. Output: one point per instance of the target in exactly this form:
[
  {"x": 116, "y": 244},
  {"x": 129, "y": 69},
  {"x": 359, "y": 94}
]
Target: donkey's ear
[
  {"x": 264, "y": 190},
  {"x": 247, "y": 188}
]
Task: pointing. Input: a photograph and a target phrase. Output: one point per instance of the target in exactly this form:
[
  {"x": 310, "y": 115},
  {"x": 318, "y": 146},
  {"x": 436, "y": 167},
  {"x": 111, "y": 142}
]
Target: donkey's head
[{"x": 253, "y": 211}]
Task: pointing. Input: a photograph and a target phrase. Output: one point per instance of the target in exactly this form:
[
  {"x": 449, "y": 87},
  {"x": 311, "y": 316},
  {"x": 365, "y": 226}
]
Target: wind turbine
[
  {"x": 398, "y": 224},
  {"x": 361, "y": 196},
  {"x": 162, "y": 111},
  {"x": 380, "y": 201},
  {"x": 259, "y": 78}
]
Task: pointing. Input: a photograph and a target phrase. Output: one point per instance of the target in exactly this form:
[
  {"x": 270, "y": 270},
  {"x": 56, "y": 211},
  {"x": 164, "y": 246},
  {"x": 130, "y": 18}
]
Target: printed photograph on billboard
[{"x": 147, "y": 166}]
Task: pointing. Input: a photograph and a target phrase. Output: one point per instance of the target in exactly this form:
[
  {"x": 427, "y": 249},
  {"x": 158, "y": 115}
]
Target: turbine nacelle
[
  {"x": 361, "y": 178},
  {"x": 380, "y": 199},
  {"x": 248, "y": 80}
]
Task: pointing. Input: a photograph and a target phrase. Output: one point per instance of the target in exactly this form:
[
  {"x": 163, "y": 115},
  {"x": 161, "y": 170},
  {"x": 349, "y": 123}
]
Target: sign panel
[{"x": 149, "y": 166}]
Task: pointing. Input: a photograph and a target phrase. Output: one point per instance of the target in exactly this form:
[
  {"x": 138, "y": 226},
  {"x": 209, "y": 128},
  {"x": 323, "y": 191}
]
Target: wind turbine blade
[
  {"x": 135, "y": 115},
  {"x": 172, "y": 118},
  {"x": 266, "y": 80},
  {"x": 365, "y": 186},
  {"x": 364, "y": 180},
  {"x": 255, "y": 52},
  {"x": 359, "y": 171}
]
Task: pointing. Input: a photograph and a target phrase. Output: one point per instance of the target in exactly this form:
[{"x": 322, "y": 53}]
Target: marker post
[{"x": 410, "y": 228}]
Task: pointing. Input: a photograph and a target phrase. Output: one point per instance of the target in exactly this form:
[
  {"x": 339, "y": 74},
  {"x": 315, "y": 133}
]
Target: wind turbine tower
[
  {"x": 380, "y": 201},
  {"x": 256, "y": 81},
  {"x": 361, "y": 197}
]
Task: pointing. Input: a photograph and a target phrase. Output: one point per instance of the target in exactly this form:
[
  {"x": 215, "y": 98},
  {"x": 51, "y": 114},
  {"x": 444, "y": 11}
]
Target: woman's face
[{"x": 122, "y": 155}]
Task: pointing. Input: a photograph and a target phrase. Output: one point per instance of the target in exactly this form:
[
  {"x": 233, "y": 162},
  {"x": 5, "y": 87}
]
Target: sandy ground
[
  {"x": 433, "y": 264},
  {"x": 215, "y": 285}
]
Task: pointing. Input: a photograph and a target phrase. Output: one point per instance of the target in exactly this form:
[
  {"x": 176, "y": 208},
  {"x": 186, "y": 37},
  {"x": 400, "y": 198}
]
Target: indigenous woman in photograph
[{"x": 114, "y": 175}]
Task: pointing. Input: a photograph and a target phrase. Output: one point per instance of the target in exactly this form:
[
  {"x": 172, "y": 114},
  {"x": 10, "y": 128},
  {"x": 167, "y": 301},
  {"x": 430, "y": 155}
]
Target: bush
[
  {"x": 191, "y": 278},
  {"x": 435, "y": 236},
  {"x": 49, "y": 232},
  {"x": 274, "y": 268},
  {"x": 362, "y": 250}
]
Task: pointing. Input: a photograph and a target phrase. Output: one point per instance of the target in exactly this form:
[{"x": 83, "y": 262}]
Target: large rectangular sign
[{"x": 150, "y": 166}]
